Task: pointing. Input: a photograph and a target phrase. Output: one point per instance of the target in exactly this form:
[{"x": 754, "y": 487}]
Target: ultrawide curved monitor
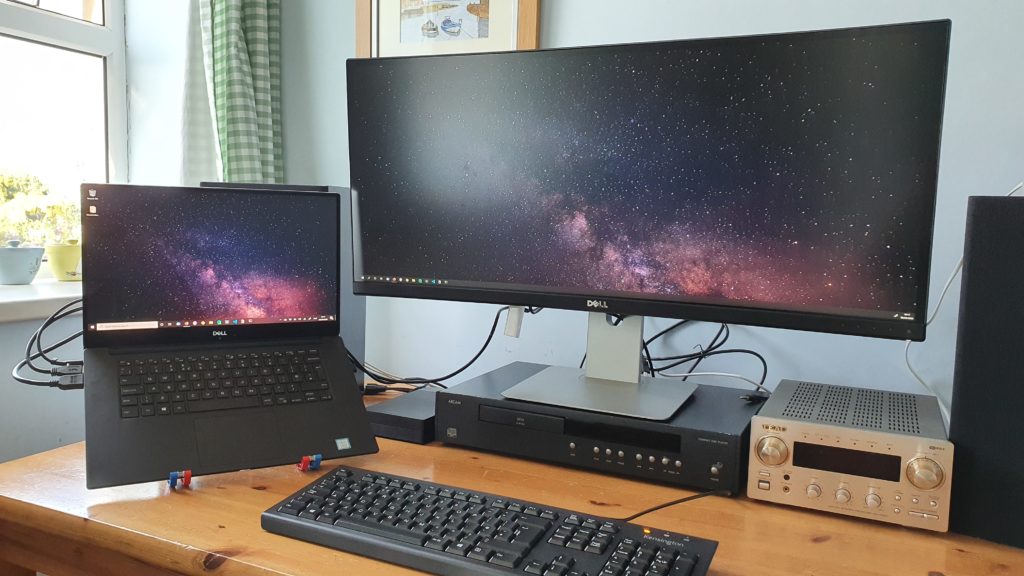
[{"x": 786, "y": 180}]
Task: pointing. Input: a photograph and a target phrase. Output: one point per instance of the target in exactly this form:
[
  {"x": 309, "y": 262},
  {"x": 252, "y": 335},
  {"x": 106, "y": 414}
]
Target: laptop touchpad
[{"x": 238, "y": 441}]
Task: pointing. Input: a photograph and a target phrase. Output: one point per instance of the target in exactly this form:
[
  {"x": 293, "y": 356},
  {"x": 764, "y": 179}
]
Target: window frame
[{"x": 25, "y": 22}]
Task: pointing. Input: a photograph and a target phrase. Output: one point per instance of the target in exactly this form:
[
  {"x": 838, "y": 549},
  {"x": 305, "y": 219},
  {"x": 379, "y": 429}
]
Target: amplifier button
[
  {"x": 597, "y": 450},
  {"x": 622, "y": 454},
  {"x": 925, "y": 473},
  {"x": 664, "y": 461},
  {"x": 572, "y": 445},
  {"x": 639, "y": 457},
  {"x": 813, "y": 491},
  {"x": 842, "y": 495},
  {"x": 772, "y": 451},
  {"x": 872, "y": 501}
]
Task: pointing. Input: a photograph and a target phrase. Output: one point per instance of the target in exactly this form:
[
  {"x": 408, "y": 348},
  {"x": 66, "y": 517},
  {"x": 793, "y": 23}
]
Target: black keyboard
[
  {"x": 163, "y": 385},
  {"x": 447, "y": 530}
]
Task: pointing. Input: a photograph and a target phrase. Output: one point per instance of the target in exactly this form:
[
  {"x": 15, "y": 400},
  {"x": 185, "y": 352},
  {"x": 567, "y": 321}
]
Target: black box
[
  {"x": 704, "y": 446},
  {"x": 409, "y": 417}
]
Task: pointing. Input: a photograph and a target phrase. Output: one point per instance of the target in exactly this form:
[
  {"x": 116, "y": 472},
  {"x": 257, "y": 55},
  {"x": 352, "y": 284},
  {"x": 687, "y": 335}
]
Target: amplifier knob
[
  {"x": 813, "y": 491},
  {"x": 772, "y": 451},
  {"x": 872, "y": 500},
  {"x": 925, "y": 473},
  {"x": 842, "y": 495}
]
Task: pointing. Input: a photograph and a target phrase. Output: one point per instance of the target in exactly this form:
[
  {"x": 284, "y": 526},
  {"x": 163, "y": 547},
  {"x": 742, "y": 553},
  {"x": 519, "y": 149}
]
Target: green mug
[{"x": 64, "y": 259}]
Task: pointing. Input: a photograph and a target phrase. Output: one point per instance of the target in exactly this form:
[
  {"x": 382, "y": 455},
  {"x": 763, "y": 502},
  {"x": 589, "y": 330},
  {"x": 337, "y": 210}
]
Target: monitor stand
[{"x": 612, "y": 382}]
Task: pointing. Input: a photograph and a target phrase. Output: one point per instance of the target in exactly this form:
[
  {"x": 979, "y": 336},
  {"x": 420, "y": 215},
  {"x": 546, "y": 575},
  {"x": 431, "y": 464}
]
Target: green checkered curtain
[{"x": 241, "y": 44}]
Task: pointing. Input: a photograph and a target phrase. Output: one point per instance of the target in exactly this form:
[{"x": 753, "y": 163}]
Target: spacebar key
[
  {"x": 382, "y": 530},
  {"x": 223, "y": 404}
]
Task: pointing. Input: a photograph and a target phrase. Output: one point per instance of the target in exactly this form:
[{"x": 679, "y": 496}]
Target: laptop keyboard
[{"x": 183, "y": 383}]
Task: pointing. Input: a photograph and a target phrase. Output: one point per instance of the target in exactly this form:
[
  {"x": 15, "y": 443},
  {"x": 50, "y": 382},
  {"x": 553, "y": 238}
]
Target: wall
[
  {"x": 982, "y": 148},
  {"x": 156, "y": 37},
  {"x": 33, "y": 419}
]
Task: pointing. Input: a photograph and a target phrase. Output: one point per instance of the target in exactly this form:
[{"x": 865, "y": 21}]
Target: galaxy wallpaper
[
  {"x": 180, "y": 254},
  {"x": 791, "y": 171}
]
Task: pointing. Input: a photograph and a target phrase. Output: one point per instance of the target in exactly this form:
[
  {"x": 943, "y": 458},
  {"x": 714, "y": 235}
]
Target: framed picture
[{"x": 416, "y": 27}]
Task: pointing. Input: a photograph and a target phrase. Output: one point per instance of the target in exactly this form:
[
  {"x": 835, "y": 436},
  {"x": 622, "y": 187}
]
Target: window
[{"x": 62, "y": 112}]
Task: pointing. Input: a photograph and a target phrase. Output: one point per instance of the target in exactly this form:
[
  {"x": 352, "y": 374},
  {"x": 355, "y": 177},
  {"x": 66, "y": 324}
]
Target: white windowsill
[{"x": 37, "y": 300}]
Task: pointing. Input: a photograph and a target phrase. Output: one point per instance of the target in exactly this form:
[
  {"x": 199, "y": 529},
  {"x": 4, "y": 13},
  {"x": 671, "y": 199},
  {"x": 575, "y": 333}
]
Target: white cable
[
  {"x": 755, "y": 383},
  {"x": 949, "y": 282},
  {"x": 942, "y": 404}
]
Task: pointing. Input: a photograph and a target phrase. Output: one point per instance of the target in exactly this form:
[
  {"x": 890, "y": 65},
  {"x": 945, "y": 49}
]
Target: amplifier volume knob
[
  {"x": 772, "y": 451},
  {"x": 813, "y": 491},
  {"x": 842, "y": 495},
  {"x": 925, "y": 473},
  {"x": 872, "y": 500}
]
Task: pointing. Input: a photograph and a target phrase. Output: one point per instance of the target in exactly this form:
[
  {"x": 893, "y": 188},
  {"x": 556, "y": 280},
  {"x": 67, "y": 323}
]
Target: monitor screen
[
  {"x": 167, "y": 264},
  {"x": 785, "y": 180}
]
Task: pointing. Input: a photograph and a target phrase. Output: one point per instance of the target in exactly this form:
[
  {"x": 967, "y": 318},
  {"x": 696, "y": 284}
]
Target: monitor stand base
[{"x": 649, "y": 399}]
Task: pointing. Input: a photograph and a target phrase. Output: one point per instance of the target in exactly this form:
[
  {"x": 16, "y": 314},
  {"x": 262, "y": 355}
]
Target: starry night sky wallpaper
[
  {"x": 178, "y": 254},
  {"x": 792, "y": 171}
]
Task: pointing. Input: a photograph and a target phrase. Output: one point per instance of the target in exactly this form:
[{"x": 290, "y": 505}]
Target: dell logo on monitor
[
  {"x": 597, "y": 304},
  {"x": 220, "y": 332}
]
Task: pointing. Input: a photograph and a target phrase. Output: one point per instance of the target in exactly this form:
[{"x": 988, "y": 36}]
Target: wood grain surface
[{"x": 50, "y": 522}]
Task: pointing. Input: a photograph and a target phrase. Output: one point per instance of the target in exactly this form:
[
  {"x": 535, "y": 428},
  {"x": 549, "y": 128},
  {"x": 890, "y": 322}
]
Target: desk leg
[{"x": 13, "y": 570}]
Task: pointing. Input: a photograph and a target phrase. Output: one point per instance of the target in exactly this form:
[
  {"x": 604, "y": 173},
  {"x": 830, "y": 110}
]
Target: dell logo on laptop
[
  {"x": 597, "y": 304},
  {"x": 220, "y": 332}
]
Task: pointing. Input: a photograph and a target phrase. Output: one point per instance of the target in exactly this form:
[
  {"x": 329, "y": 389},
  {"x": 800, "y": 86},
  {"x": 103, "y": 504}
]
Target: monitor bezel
[
  {"x": 754, "y": 314},
  {"x": 91, "y": 289}
]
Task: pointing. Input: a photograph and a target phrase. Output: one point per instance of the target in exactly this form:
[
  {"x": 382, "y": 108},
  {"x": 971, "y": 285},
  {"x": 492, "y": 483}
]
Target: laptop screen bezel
[{"x": 92, "y": 290}]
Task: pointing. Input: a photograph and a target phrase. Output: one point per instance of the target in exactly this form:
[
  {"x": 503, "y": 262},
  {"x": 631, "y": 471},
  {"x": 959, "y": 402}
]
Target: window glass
[{"x": 52, "y": 138}]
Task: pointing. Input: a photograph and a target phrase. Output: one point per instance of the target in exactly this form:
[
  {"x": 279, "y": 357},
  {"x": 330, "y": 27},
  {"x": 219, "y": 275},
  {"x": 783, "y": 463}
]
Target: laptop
[{"x": 211, "y": 332}]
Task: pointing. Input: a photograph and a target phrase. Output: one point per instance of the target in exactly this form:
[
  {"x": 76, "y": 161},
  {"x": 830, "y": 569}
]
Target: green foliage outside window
[{"x": 28, "y": 212}]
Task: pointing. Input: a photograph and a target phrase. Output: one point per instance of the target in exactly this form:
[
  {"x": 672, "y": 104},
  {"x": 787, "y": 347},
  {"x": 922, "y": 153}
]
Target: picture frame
[{"x": 422, "y": 27}]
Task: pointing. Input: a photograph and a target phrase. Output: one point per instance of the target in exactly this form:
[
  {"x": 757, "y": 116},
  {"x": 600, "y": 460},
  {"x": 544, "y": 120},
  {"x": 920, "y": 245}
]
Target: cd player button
[
  {"x": 813, "y": 491},
  {"x": 764, "y": 485},
  {"x": 842, "y": 495}
]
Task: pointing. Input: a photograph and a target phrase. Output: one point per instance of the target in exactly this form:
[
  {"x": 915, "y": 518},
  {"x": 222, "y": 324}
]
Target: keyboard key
[{"x": 130, "y": 412}]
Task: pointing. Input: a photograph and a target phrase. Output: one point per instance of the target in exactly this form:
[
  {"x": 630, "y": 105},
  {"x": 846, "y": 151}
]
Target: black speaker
[{"x": 987, "y": 416}]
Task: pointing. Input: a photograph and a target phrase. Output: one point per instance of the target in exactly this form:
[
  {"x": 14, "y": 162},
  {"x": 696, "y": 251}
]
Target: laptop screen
[{"x": 176, "y": 264}]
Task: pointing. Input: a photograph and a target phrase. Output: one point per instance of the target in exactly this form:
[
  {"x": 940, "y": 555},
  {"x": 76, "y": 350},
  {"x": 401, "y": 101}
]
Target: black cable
[
  {"x": 684, "y": 358},
  {"x": 55, "y": 382},
  {"x": 715, "y": 344},
  {"x": 423, "y": 382},
  {"x": 666, "y": 331},
  {"x": 36, "y": 339},
  {"x": 674, "y": 502},
  {"x": 764, "y": 363},
  {"x": 61, "y": 313}
]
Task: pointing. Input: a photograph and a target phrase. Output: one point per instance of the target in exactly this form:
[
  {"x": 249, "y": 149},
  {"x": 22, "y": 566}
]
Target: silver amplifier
[{"x": 866, "y": 453}]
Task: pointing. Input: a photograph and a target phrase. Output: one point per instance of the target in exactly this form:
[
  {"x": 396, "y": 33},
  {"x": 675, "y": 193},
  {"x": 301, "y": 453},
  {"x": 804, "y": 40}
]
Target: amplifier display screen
[{"x": 846, "y": 461}]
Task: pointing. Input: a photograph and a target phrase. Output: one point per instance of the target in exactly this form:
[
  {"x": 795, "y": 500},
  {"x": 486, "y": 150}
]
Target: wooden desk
[{"x": 51, "y": 523}]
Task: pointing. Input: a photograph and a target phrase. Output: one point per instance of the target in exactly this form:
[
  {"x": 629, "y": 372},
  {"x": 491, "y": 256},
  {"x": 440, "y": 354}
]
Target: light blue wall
[
  {"x": 983, "y": 146},
  {"x": 33, "y": 419}
]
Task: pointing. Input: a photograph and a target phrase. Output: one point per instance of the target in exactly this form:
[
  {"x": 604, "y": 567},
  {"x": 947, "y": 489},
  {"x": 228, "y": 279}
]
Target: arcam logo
[
  {"x": 597, "y": 304},
  {"x": 220, "y": 332}
]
